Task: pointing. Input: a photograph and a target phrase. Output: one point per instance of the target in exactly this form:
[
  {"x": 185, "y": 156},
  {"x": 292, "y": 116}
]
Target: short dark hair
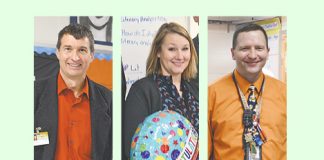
[
  {"x": 78, "y": 31},
  {"x": 247, "y": 28}
]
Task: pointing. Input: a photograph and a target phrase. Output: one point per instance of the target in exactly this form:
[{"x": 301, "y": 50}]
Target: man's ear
[
  {"x": 92, "y": 56},
  {"x": 232, "y": 52},
  {"x": 268, "y": 53},
  {"x": 57, "y": 53}
]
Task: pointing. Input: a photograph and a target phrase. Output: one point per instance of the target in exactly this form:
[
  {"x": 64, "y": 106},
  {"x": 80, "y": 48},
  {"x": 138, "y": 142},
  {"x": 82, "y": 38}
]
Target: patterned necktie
[
  {"x": 251, "y": 99},
  {"x": 251, "y": 137}
]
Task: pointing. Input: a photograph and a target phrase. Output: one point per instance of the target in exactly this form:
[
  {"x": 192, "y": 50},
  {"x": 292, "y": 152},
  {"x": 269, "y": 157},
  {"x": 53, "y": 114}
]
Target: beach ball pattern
[{"x": 164, "y": 135}]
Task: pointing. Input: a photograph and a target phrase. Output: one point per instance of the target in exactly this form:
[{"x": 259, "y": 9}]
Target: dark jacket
[
  {"x": 46, "y": 117},
  {"x": 143, "y": 99}
]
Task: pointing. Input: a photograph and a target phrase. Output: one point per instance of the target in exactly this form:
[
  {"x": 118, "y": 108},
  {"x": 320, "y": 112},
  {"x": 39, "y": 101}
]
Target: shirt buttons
[
  {"x": 73, "y": 123},
  {"x": 71, "y": 142}
]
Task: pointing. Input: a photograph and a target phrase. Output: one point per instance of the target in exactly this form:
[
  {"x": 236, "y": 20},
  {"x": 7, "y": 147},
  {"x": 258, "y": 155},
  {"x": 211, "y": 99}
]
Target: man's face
[
  {"x": 74, "y": 56},
  {"x": 250, "y": 53}
]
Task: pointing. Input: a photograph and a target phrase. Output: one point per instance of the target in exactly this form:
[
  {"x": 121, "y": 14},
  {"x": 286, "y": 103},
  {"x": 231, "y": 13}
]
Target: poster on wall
[{"x": 100, "y": 26}]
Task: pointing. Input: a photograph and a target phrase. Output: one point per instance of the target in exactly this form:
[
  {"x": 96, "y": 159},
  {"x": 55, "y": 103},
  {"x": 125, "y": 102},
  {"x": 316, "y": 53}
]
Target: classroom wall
[
  {"x": 219, "y": 50},
  {"x": 47, "y": 28}
]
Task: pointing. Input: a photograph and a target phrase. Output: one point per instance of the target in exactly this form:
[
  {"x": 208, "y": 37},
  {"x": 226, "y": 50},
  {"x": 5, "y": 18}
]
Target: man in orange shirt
[
  {"x": 74, "y": 111},
  {"x": 246, "y": 108}
]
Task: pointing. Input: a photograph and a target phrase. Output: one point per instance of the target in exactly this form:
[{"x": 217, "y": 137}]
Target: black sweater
[{"x": 143, "y": 99}]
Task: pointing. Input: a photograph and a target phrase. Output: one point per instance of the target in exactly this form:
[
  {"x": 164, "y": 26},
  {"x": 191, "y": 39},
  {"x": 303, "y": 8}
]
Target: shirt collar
[
  {"x": 244, "y": 84},
  {"x": 61, "y": 86}
]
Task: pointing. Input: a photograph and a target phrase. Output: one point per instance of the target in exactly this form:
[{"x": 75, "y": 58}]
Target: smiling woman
[
  {"x": 170, "y": 68},
  {"x": 174, "y": 57}
]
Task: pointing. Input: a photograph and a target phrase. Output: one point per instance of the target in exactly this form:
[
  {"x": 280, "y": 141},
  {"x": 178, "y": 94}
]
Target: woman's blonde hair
[{"x": 153, "y": 65}]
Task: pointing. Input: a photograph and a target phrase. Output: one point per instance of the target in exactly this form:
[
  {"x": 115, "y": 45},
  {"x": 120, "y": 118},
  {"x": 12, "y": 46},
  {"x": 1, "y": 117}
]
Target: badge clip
[{"x": 40, "y": 138}]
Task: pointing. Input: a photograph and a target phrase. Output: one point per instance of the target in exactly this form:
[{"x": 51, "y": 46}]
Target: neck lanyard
[
  {"x": 243, "y": 99},
  {"x": 253, "y": 136}
]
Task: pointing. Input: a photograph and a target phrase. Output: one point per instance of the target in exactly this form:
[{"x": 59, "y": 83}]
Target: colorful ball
[{"x": 164, "y": 135}]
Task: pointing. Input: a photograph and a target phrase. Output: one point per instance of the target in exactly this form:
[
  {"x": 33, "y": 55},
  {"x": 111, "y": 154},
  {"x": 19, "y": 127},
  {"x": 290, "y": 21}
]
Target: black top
[{"x": 143, "y": 99}]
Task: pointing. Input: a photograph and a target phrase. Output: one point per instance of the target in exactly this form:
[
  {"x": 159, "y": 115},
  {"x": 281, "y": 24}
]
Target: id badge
[{"x": 41, "y": 138}]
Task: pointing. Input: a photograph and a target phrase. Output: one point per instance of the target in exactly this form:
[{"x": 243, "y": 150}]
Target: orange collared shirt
[
  {"x": 225, "y": 113},
  {"x": 74, "y": 123}
]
